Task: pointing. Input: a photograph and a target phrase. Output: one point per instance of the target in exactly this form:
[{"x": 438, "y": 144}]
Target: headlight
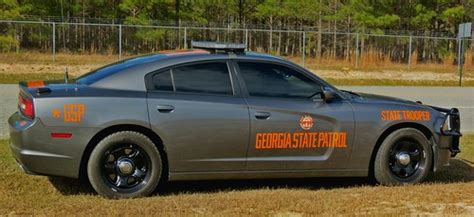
[{"x": 447, "y": 124}]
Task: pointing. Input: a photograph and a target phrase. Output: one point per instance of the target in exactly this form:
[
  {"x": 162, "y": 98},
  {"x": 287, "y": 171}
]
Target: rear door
[
  {"x": 292, "y": 128},
  {"x": 200, "y": 115}
]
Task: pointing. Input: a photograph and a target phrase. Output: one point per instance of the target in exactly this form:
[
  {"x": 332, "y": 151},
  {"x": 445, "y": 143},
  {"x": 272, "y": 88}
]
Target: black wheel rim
[
  {"x": 126, "y": 167},
  {"x": 406, "y": 159}
]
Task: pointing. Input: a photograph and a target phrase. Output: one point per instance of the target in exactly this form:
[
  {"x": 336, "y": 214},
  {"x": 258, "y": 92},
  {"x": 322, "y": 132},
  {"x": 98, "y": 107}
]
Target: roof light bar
[{"x": 216, "y": 47}]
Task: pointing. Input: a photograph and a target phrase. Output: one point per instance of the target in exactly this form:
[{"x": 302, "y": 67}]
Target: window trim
[
  {"x": 230, "y": 77},
  {"x": 150, "y": 87},
  {"x": 247, "y": 93},
  {"x": 172, "y": 79}
]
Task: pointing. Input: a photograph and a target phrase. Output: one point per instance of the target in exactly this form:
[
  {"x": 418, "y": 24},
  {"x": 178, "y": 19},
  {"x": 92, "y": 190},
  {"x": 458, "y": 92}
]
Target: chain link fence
[{"x": 313, "y": 49}]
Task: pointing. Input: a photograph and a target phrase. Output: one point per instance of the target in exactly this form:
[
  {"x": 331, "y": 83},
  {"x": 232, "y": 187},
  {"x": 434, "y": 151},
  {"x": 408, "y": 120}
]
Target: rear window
[
  {"x": 209, "y": 78},
  {"x": 117, "y": 67}
]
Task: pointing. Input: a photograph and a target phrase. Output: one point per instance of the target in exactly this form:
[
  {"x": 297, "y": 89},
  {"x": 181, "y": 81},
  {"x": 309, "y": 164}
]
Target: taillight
[{"x": 26, "y": 106}]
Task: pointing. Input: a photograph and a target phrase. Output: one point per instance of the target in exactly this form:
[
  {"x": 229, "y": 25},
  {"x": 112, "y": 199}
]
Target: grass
[
  {"x": 446, "y": 193},
  {"x": 374, "y": 61},
  {"x": 15, "y": 78},
  {"x": 61, "y": 58},
  {"x": 467, "y": 146}
]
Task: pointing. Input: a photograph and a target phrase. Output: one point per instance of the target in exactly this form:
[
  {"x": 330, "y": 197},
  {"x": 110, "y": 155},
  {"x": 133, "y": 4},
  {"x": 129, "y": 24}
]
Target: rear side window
[
  {"x": 209, "y": 78},
  {"x": 271, "y": 80},
  {"x": 162, "y": 81}
]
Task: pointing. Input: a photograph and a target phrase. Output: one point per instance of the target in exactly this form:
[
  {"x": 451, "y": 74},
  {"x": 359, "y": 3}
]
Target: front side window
[
  {"x": 210, "y": 78},
  {"x": 271, "y": 80}
]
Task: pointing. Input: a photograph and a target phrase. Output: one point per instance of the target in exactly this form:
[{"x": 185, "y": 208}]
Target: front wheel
[
  {"x": 125, "y": 164},
  {"x": 404, "y": 157}
]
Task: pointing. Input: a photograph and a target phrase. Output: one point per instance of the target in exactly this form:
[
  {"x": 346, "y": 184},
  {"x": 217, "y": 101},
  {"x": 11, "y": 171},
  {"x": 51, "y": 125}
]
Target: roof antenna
[{"x": 66, "y": 75}]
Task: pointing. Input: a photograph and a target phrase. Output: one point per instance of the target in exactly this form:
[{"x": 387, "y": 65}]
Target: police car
[{"x": 220, "y": 112}]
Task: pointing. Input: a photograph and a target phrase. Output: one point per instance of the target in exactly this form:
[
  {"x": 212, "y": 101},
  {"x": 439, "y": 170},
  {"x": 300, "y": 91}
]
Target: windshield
[{"x": 116, "y": 67}]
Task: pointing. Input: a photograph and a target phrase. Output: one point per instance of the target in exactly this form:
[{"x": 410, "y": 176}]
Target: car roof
[
  {"x": 163, "y": 58},
  {"x": 177, "y": 54}
]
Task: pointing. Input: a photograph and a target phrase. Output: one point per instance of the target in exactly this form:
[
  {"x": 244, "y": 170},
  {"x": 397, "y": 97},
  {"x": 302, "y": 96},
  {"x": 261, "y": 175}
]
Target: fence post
[
  {"x": 459, "y": 60},
  {"x": 228, "y": 32},
  {"x": 409, "y": 52},
  {"x": 120, "y": 41},
  {"x": 357, "y": 51},
  {"x": 461, "y": 44},
  {"x": 304, "y": 48},
  {"x": 247, "y": 38},
  {"x": 54, "y": 42},
  {"x": 185, "y": 38}
]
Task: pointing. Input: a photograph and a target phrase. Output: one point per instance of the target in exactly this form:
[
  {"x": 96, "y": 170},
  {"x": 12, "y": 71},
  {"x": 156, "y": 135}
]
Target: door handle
[
  {"x": 262, "y": 115},
  {"x": 165, "y": 108}
]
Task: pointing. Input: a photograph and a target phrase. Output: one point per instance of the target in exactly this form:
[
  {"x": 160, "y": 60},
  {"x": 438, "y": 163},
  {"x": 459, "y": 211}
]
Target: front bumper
[
  {"x": 447, "y": 145},
  {"x": 443, "y": 150},
  {"x": 39, "y": 154}
]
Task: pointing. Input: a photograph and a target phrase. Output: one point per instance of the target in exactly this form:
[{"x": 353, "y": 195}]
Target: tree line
[
  {"x": 350, "y": 15},
  {"x": 327, "y": 18}
]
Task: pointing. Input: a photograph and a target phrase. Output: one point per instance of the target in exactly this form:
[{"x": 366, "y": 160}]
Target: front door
[
  {"x": 200, "y": 116},
  {"x": 292, "y": 128}
]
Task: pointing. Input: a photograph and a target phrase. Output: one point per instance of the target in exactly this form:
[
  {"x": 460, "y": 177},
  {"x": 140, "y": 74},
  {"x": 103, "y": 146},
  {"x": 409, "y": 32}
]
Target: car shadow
[
  {"x": 459, "y": 171},
  {"x": 70, "y": 186},
  {"x": 213, "y": 186}
]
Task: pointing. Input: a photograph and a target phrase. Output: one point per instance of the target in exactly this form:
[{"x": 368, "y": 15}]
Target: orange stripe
[{"x": 33, "y": 84}]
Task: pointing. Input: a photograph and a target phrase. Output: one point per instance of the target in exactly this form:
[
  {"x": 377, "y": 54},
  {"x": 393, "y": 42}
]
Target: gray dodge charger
[{"x": 220, "y": 112}]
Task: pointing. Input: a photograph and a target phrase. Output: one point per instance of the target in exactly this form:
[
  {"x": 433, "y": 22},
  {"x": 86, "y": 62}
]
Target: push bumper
[{"x": 453, "y": 130}]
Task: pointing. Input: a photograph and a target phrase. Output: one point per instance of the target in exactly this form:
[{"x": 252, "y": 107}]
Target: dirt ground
[
  {"x": 19, "y": 68},
  {"x": 390, "y": 74}
]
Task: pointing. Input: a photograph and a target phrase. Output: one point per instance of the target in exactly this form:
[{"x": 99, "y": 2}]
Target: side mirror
[{"x": 328, "y": 96}]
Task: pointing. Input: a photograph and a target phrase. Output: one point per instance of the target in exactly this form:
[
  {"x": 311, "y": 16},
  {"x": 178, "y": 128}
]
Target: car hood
[
  {"x": 387, "y": 99},
  {"x": 380, "y": 98}
]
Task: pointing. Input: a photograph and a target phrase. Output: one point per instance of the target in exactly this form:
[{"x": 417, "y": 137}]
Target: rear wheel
[
  {"x": 404, "y": 157},
  {"x": 125, "y": 164}
]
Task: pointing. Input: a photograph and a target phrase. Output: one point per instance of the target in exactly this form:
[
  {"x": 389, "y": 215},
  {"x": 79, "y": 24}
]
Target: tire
[
  {"x": 391, "y": 167},
  {"x": 125, "y": 164}
]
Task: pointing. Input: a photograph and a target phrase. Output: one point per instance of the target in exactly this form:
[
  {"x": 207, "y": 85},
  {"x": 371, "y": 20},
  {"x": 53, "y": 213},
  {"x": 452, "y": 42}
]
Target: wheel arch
[
  {"x": 155, "y": 138},
  {"x": 422, "y": 128}
]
